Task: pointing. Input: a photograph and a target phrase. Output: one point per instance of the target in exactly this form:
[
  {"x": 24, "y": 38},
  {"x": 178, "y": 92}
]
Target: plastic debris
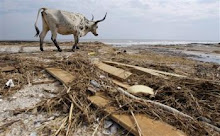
[
  {"x": 107, "y": 123},
  {"x": 102, "y": 76},
  {"x": 94, "y": 83},
  {"x": 33, "y": 134},
  {"x": 114, "y": 129},
  {"x": 178, "y": 88},
  {"x": 106, "y": 132},
  {"x": 137, "y": 89},
  {"x": 10, "y": 83},
  {"x": 91, "y": 53}
]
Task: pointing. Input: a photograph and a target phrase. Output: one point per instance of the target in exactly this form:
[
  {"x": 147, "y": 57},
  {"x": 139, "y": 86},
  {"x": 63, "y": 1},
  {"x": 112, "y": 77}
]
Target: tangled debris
[{"x": 71, "y": 109}]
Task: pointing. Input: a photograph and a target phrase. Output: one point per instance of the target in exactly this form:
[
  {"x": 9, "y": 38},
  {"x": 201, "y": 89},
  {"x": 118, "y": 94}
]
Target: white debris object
[
  {"x": 114, "y": 129},
  {"x": 95, "y": 84},
  {"x": 107, "y": 123},
  {"x": 178, "y": 88},
  {"x": 33, "y": 134},
  {"x": 106, "y": 132},
  {"x": 102, "y": 76},
  {"x": 10, "y": 83},
  {"x": 140, "y": 89}
]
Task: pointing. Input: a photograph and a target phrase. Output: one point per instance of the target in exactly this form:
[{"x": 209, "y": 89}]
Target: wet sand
[{"x": 201, "y": 52}]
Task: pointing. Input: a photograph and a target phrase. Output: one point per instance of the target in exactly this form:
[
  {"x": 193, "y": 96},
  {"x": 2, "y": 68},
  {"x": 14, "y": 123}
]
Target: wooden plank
[
  {"x": 61, "y": 75},
  {"x": 117, "y": 72},
  {"x": 147, "y": 70},
  {"x": 123, "y": 85},
  {"x": 149, "y": 127},
  {"x": 7, "y": 69},
  {"x": 138, "y": 68}
]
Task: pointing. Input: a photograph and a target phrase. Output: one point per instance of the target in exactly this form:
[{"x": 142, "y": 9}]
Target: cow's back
[
  {"x": 61, "y": 17},
  {"x": 66, "y": 22}
]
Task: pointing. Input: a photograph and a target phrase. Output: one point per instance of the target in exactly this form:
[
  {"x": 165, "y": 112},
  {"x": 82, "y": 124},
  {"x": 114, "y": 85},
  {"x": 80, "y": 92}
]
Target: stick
[
  {"x": 61, "y": 126},
  {"x": 138, "y": 127},
  {"x": 8, "y": 124},
  {"x": 71, "y": 97},
  {"x": 214, "y": 127},
  {"x": 68, "y": 90},
  {"x": 43, "y": 82},
  {"x": 70, "y": 119},
  {"x": 28, "y": 80},
  {"x": 93, "y": 134}
]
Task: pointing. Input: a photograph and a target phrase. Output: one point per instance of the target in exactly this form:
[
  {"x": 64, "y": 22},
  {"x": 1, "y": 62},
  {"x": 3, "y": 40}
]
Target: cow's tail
[{"x": 35, "y": 25}]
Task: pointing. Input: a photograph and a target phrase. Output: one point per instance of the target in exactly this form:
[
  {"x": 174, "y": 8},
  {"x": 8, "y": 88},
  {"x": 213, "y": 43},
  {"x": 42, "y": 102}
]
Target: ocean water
[{"x": 131, "y": 42}]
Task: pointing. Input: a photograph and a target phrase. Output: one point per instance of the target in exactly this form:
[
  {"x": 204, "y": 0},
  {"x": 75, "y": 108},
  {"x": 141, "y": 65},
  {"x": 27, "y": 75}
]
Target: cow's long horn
[
  {"x": 101, "y": 19},
  {"x": 92, "y": 17}
]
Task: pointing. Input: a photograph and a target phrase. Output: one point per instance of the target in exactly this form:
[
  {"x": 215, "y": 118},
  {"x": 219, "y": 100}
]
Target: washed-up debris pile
[{"x": 97, "y": 95}]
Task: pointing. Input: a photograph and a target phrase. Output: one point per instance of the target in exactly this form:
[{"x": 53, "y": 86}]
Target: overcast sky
[{"x": 126, "y": 19}]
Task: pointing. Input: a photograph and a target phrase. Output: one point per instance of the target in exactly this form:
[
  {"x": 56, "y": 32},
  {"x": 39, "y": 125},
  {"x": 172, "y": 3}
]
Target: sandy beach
[{"x": 38, "y": 103}]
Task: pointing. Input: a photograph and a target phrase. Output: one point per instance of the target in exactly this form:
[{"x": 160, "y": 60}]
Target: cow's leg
[
  {"x": 53, "y": 38},
  {"x": 44, "y": 32},
  {"x": 76, "y": 38},
  {"x": 42, "y": 36}
]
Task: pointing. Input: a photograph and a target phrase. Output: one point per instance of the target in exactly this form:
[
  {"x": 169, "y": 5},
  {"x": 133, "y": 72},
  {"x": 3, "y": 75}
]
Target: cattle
[{"x": 65, "y": 23}]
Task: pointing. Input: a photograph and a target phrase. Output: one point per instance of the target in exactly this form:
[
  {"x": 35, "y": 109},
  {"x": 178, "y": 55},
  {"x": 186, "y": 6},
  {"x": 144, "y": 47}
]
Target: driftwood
[{"x": 148, "y": 70}]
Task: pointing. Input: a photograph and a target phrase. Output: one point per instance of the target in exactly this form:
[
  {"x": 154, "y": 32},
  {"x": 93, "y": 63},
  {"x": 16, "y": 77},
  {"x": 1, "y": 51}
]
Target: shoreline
[{"x": 205, "y": 52}]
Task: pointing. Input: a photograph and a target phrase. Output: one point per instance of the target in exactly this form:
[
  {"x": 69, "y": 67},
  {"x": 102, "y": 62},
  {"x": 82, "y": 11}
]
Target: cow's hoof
[
  {"x": 76, "y": 47},
  {"x": 41, "y": 49},
  {"x": 73, "y": 50},
  {"x": 60, "y": 50}
]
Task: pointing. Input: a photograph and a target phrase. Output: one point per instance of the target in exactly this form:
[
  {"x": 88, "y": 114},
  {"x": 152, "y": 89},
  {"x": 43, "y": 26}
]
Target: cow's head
[{"x": 94, "y": 25}]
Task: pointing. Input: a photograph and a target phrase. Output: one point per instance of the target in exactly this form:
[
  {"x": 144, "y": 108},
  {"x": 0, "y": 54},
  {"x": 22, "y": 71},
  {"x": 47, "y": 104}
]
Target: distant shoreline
[{"x": 127, "y": 42}]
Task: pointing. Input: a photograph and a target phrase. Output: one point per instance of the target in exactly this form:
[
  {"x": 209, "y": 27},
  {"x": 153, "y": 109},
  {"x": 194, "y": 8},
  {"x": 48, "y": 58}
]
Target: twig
[
  {"x": 93, "y": 134},
  {"x": 8, "y": 124},
  {"x": 68, "y": 90},
  {"x": 138, "y": 127},
  {"x": 214, "y": 127},
  {"x": 70, "y": 119},
  {"x": 71, "y": 97},
  {"x": 43, "y": 82},
  {"x": 61, "y": 126},
  {"x": 28, "y": 79}
]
